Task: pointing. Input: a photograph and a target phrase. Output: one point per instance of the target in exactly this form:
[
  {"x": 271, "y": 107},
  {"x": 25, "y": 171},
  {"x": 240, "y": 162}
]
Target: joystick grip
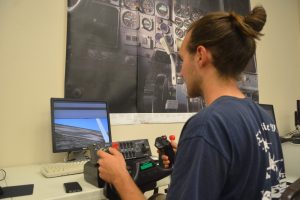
[{"x": 165, "y": 148}]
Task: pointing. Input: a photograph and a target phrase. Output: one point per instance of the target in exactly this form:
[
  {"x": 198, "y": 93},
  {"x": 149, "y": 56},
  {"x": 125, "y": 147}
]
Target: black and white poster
[{"x": 125, "y": 52}]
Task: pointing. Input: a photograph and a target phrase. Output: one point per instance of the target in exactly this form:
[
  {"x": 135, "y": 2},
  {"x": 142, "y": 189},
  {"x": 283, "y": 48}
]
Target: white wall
[
  {"x": 278, "y": 59},
  {"x": 32, "y": 54},
  {"x": 32, "y": 64}
]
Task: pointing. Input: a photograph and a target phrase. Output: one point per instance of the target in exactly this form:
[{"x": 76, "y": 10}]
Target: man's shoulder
[
  {"x": 222, "y": 112},
  {"x": 222, "y": 107}
]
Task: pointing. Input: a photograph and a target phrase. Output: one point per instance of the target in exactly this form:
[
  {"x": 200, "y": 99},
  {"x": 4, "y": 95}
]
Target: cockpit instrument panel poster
[{"x": 126, "y": 53}]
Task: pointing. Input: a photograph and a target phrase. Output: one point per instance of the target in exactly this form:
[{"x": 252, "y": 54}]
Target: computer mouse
[{"x": 1, "y": 190}]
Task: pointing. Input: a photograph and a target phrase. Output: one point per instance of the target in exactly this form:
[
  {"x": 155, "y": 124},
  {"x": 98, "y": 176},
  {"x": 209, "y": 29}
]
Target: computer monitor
[
  {"x": 76, "y": 124},
  {"x": 270, "y": 110},
  {"x": 297, "y": 114}
]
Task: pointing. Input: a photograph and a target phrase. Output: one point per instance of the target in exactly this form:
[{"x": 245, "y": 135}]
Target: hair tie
[{"x": 232, "y": 17}]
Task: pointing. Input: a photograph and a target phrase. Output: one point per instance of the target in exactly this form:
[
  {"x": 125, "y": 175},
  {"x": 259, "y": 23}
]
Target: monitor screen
[
  {"x": 76, "y": 124},
  {"x": 297, "y": 114},
  {"x": 270, "y": 110}
]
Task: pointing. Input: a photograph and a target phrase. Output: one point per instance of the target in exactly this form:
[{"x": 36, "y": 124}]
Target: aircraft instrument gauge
[
  {"x": 130, "y": 20},
  {"x": 164, "y": 28},
  {"x": 187, "y": 23},
  {"x": 178, "y": 22},
  {"x": 132, "y": 4},
  {"x": 179, "y": 32},
  {"x": 148, "y": 7},
  {"x": 162, "y": 9},
  {"x": 185, "y": 13},
  {"x": 147, "y": 24}
]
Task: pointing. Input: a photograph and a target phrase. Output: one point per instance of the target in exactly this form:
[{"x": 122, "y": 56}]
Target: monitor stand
[{"x": 77, "y": 156}]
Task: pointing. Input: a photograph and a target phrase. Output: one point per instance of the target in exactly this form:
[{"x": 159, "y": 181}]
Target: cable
[
  {"x": 3, "y": 178},
  {"x": 3, "y": 174}
]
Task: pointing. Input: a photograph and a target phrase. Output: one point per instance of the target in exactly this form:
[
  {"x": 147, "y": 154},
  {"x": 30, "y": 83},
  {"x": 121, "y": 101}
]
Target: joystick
[
  {"x": 93, "y": 151},
  {"x": 165, "y": 148}
]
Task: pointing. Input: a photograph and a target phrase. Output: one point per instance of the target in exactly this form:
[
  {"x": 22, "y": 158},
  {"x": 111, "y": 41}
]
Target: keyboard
[{"x": 62, "y": 169}]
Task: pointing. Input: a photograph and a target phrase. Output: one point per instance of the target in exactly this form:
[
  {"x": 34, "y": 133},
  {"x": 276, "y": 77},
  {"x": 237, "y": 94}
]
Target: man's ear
[{"x": 202, "y": 55}]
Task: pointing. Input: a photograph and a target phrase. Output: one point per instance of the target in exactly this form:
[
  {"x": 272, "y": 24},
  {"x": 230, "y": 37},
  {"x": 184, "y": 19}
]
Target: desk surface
[
  {"x": 52, "y": 188},
  {"x": 49, "y": 188}
]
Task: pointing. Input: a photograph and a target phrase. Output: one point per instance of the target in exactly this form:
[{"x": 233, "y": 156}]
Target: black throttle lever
[{"x": 165, "y": 148}]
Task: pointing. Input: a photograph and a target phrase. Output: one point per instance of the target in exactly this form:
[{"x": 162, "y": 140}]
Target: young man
[{"x": 230, "y": 149}]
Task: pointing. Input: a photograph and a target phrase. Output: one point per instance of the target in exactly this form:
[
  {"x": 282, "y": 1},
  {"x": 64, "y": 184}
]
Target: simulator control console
[{"x": 143, "y": 169}]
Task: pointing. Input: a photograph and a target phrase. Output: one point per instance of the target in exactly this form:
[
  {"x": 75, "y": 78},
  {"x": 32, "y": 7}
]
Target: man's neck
[{"x": 217, "y": 87}]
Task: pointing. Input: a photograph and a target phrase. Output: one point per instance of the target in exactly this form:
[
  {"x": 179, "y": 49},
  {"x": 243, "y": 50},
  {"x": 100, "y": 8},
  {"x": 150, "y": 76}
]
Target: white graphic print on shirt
[{"x": 274, "y": 168}]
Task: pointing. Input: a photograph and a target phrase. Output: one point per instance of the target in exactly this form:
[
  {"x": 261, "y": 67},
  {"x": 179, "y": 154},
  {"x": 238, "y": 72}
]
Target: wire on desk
[{"x": 3, "y": 172}]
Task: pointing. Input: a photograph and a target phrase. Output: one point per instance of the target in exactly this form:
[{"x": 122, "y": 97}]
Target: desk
[
  {"x": 291, "y": 154},
  {"x": 52, "y": 188}
]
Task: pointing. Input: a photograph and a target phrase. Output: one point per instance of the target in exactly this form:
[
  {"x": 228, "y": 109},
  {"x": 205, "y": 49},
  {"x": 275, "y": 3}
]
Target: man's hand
[
  {"x": 112, "y": 169},
  {"x": 165, "y": 158},
  {"x": 111, "y": 166}
]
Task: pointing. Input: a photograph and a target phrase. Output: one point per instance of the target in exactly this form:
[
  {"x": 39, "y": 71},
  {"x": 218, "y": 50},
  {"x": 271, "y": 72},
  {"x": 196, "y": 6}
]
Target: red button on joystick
[
  {"x": 115, "y": 145},
  {"x": 172, "y": 137}
]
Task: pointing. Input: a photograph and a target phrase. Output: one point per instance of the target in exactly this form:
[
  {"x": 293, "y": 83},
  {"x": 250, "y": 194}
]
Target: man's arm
[
  {"x": 112, "y": 169},
  {"x": 127, "y": 189}
]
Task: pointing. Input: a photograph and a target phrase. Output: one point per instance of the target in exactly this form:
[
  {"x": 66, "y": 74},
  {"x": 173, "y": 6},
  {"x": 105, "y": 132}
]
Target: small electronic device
[
  {"x": 16, "y": 191},
  {"x": 165, "y": 148},
  {"x": 77, "y": 123},
  {"x": 72, "y": 187}
]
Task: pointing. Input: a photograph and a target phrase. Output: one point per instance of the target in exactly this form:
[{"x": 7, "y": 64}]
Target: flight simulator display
[
  {"x": 126, "y": 53},
  {"x": 77, "y": 124}
]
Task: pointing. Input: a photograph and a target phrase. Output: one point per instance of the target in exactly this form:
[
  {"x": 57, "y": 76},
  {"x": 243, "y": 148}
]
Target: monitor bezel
[
  {"x": 53, "y": 100},
  {"x": 269, "y": 106},
  {"x": 297, "y": 113}
]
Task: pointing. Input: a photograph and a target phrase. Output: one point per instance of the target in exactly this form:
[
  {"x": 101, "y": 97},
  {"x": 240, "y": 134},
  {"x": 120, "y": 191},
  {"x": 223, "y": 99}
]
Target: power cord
[
  {"x": 3, "y": 172},
  {"x": 3, "y": 178}
]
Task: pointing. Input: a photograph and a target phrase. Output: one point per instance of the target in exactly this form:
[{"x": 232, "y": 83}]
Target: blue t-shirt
[{"x": 229, "y": 150}]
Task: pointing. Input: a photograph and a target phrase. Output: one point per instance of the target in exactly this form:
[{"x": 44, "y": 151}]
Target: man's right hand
[
  {"x": 165, "y": 158},
  {"x": 112, "y": 169},
  {"x": 112, "y": 165}
]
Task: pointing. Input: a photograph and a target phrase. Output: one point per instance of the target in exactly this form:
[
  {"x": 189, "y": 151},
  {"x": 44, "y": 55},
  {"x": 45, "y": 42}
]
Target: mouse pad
[{"x": 15, "y": 191}]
